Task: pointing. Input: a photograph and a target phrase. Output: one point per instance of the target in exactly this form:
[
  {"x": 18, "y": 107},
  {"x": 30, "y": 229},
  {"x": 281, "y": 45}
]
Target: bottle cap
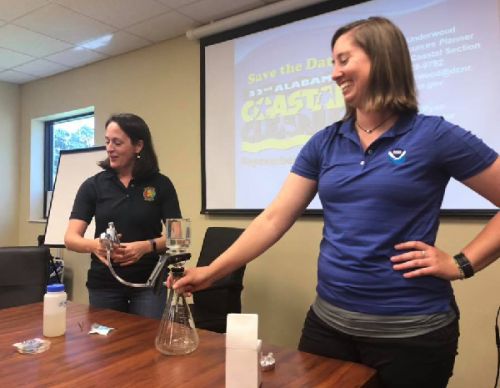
[{"x": 56, "y": 287}]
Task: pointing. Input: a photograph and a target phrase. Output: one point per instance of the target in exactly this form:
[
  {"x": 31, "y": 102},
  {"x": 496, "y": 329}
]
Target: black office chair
[
  {"x": 212, "y": 305},
  {"x": 24, "y": 272}
]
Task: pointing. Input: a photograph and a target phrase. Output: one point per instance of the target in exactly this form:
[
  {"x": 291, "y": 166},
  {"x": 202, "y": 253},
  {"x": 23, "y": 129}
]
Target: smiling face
[
  {"x": 121, "y": 152},
  {"x": 351, "y": 70}
]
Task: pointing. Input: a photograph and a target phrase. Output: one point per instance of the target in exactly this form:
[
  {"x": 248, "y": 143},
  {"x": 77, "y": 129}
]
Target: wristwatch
[
  {"x": 464, "y": 265},
  {"x": 153, "y": 245}
]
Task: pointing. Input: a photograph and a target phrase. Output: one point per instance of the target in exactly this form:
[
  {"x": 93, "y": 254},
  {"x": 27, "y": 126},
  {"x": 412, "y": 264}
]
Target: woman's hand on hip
[{"x": 422, "y": 259}]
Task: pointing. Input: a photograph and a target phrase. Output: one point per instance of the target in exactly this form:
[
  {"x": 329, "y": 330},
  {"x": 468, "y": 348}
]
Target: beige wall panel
[{"x": 9, "y": 160}]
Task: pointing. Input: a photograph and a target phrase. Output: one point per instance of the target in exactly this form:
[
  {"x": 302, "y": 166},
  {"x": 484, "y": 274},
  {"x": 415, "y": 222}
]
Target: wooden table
[{"x": 127, "y": 356}]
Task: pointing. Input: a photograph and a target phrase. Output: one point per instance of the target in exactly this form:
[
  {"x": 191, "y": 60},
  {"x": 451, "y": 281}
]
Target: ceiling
[{"x": 39, "y": 38}]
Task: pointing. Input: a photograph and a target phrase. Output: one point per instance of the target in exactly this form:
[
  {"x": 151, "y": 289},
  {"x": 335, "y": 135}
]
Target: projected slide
[{"x": 267, "y": 93}]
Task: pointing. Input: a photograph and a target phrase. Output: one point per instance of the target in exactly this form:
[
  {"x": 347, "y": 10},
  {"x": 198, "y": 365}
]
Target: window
[{"x": 67, "y": 133}]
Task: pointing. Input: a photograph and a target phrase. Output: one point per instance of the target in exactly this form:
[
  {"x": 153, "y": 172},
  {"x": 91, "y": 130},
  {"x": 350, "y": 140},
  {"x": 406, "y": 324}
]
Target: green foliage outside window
[{"x": 71, "y": 135}]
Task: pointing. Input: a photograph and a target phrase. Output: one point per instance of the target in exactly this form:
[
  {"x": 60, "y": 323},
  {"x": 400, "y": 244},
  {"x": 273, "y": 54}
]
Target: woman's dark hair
[
  {"x": 136, "y": 129},
  {"x": 391, "y": 84}
]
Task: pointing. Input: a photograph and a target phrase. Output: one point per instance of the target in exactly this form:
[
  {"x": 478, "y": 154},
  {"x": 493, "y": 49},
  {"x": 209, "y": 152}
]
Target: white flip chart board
[{"x": 74, "y": 167}]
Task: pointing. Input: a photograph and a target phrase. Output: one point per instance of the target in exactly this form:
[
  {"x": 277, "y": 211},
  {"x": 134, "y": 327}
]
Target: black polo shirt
[{"x": 137, "y": 212}]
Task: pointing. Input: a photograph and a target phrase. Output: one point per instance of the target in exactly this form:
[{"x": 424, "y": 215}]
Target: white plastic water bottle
[{"x": 54, "y": 310}]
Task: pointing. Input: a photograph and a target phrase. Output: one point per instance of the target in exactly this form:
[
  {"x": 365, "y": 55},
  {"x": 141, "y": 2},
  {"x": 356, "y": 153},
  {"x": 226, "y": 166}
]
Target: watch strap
[
  {"x": 153, "y": 245},
  {"x": 464, "y": 265}
]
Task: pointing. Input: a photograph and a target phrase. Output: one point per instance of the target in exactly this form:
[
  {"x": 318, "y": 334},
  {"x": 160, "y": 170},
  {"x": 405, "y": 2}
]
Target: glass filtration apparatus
[{"x": 177, "y": 334}]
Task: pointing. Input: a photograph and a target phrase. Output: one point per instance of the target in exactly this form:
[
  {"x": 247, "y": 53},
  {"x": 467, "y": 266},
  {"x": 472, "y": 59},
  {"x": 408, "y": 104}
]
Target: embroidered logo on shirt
[
  {"x": 149, "y": 194},
  {"x": 397, "y": 155}
]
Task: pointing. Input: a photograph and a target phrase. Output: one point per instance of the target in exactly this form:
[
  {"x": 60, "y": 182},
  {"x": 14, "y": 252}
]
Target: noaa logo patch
[{"x": 397, "y": 155}]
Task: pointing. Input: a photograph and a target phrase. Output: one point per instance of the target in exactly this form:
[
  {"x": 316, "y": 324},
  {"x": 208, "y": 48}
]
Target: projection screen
[{"x": 264, "y": 93}]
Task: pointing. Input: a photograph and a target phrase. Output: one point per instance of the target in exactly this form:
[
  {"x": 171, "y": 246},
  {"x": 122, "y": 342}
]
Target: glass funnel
[{"x": 178, "y": 233}]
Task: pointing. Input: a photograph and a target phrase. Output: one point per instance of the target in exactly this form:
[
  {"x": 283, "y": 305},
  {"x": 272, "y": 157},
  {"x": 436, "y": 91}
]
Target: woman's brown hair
[
  {"x": 391, "y": 83},
  {"x": 136, "y": 129}
]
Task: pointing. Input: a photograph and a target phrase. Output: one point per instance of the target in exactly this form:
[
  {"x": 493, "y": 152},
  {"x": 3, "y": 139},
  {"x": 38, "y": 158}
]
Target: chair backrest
[
  {"x": 24, "y": 273},
  {"x": 212, "y": 305}
]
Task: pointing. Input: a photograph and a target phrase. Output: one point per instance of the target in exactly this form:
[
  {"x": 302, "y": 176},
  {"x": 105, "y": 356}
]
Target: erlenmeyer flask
[{"x": 177, "y": 334}]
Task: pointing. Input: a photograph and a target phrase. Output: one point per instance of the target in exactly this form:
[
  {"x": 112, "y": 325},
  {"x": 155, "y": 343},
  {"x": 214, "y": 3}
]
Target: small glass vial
[{"x": 54, "y": 310}]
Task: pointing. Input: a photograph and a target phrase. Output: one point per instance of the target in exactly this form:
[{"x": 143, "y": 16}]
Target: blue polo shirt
[{"x": 374, "y": 199}]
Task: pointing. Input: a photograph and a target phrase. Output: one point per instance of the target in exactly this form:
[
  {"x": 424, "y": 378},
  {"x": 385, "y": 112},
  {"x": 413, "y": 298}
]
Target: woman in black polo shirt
[{"x": 131, "y": 192}]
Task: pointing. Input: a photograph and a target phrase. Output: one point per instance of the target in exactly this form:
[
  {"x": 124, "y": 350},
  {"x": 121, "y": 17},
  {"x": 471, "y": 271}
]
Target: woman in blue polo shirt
[
  {"x": 384, "y": 297},
  {"x": 131, "y": 192}
]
